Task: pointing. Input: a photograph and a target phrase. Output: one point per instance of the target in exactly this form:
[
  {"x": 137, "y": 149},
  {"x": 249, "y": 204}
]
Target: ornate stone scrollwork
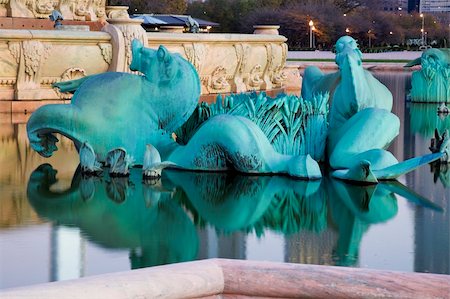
[
  {"x": 242, "y": 53},
  {"x": 278, "y": 75},
  {"x": 269, "y": 67},
  {"x": 194, "y": 54},
  {"x": 219, "y": 78},
  {"x": 42, "y": 8},
  {"x": 106, "y": 52}
]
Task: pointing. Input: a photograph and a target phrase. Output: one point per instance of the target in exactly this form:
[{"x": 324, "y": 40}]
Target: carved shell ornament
[
  {"x": 279, "y": 75},
  {"x": 219, "y": 78},
  {"x": 70, "y": 74}
]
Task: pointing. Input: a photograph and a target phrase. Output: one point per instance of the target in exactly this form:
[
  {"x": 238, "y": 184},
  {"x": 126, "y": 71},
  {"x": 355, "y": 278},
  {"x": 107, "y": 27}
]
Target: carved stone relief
[
  {"x": 42, "y": 8},
  {"x": 82, "y": 10},
  {"x": 3, "y": 9},
  {"x": 32, "y": 55},
  {"x": 254, "y": 77},
  {"x": 219, "y": 80},
  {"x": 15, "y": 49},
  {"x": 106, "y": 52},
  {"x": 194, "y": 53}
]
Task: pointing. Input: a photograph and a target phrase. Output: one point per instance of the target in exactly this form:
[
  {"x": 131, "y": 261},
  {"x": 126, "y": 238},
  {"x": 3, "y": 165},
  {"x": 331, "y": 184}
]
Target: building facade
[{"x": 434, "y": 6}]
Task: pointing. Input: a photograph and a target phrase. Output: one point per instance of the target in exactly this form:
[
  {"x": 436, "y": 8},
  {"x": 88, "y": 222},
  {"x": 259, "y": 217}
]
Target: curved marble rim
[{"x": 214, "y": 278}]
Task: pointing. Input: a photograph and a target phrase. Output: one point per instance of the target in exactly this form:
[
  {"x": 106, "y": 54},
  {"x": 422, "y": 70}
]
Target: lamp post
[
  {"x": 314, "y": 36},
  {"x": 423, "y": 29},
  {"x": 311, "y": 25},
  {"x": 369, "y": 33},
  {"x": 347, "y": 30}
]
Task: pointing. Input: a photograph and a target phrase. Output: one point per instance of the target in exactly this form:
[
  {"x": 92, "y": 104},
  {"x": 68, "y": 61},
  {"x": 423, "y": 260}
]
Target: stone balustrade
[{"x": 31, "y": 60}]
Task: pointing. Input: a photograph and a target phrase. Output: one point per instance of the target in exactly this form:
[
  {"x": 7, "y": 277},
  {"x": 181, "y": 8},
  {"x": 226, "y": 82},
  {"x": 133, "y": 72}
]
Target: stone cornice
[
  {"x": 58, "y": 36},
  {"x": 215, "y": 38}
]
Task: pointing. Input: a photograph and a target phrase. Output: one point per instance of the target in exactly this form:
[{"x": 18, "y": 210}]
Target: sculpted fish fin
[
  {"x": 414, "y": 62},
  {"x": 70, "y": 86},
  {"x": 394, "y": 171}
]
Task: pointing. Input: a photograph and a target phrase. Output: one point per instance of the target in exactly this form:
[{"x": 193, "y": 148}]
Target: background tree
[{"x": 153, "y": 6}]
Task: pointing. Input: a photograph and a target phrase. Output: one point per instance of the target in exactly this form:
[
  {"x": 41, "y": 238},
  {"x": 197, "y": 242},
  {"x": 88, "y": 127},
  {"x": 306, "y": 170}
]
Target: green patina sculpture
[
  {"x": 431, "y": 84},
  {"x": 123, "y": 113},
  {"x": 361, "y": 124}
]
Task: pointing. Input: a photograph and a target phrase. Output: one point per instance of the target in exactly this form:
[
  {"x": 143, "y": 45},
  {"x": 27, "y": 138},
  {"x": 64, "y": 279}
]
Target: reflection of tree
[{"x": 153, "y": 6}]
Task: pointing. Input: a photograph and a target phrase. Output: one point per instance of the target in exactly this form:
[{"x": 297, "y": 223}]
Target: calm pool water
[{"x": 56, "y": 224}]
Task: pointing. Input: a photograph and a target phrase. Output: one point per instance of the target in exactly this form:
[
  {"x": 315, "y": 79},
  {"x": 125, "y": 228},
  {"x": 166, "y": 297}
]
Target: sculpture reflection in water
[
  {"x": 425, "y": 121},
  {"x": 157, "y": 219}
]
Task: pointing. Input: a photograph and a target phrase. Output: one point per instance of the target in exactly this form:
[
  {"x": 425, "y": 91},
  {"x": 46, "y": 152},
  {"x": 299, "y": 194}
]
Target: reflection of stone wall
[
  {"x": 31, "y": 60},
  {"x": 18, "y": 161}
]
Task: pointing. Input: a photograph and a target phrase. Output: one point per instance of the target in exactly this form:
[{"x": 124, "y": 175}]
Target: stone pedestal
[
  {"x": 117, "y": 12},
  {"x": 122, "y": 32},
  {"x": 266, "y": 29}
]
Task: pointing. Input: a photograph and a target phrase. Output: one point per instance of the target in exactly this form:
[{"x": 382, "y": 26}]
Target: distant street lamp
[
  {"x": 369, "y": 33},
  {"x": 311, "y": 25},
  {"x": 347, "y": 30},
  {"x": 423, "y": 29}
]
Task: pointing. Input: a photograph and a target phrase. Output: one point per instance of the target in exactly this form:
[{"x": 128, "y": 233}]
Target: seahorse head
[
  {"x": 347, "y": 47},
  {"x": 157, "y": 65}
]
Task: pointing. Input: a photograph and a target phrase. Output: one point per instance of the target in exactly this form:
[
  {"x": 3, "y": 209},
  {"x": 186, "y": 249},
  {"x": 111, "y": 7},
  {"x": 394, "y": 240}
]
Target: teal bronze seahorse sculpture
[
  {"x": 431, "y": 84},
  {"x": 129, "y": 111},
  {"x": 361, "y": 125},
  {"x": 122, "y": 112}
]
